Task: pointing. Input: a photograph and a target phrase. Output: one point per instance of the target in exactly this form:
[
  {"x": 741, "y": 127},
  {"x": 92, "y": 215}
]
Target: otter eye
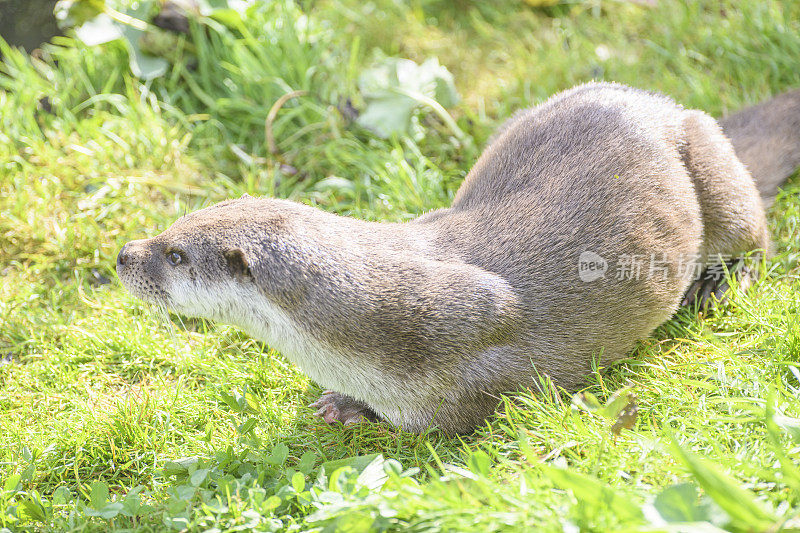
[{"x": 174, "y": 258}]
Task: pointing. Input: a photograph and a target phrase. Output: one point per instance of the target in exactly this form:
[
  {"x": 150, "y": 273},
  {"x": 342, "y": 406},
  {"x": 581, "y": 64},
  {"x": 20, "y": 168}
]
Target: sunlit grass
[{"x": 95, "y": 386}]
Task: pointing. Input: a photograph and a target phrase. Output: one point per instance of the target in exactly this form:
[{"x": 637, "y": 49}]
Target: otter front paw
[{"x": 333, "y": 406}]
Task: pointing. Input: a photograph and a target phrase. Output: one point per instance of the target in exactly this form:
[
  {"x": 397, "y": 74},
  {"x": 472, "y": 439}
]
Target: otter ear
[{"x": 237, "y": 264}]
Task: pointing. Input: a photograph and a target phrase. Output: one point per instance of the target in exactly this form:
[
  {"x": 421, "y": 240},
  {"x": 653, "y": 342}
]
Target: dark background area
[{"x": 27, "y": 23}]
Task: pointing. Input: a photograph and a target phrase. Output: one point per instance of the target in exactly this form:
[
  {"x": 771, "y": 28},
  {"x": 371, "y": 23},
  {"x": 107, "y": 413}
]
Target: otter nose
[{"x": 122, "y": 257}]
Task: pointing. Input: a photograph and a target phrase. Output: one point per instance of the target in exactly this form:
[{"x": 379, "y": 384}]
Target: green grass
[{"x": 102, "y": 392}]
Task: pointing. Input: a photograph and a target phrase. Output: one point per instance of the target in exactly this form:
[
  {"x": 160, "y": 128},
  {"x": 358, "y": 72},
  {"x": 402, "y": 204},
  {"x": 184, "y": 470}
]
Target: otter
[{"x": 530, "y": 272}]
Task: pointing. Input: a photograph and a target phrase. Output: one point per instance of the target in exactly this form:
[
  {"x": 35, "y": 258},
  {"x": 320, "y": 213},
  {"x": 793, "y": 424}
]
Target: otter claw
[
  {"x": 329, "y": 413},
  {"x": 708, "y": 291},
  {"x": 333, "y": 407},
  {"x": 323, "y": 400}
]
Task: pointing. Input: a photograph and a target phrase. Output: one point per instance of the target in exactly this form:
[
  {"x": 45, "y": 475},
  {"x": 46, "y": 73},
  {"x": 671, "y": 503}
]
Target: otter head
[{"x": 219, "y": 263}]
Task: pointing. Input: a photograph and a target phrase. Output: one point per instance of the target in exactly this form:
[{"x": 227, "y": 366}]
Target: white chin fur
[{"x": 217, "y": 302}]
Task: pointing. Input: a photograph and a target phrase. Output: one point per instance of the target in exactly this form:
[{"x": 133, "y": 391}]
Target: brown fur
[
  {"x": 766, "y": 139},
  {"x": 428, "y": 322}
]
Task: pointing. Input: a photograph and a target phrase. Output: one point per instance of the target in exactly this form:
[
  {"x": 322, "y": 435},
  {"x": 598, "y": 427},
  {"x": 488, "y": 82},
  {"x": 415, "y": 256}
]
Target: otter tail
[{"x": 766, "y": 138}]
